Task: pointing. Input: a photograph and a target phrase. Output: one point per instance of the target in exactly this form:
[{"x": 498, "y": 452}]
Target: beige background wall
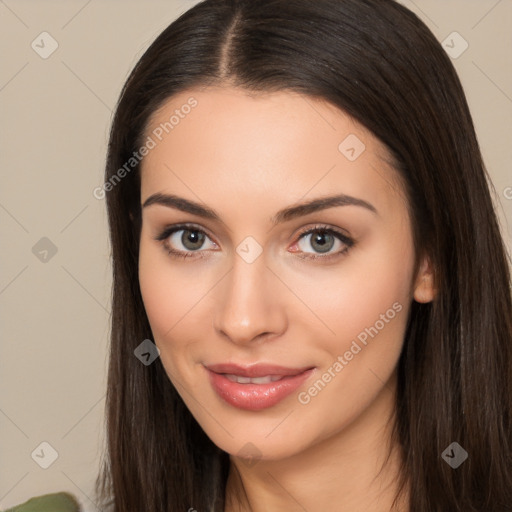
[{"x": 55, "y": 115}]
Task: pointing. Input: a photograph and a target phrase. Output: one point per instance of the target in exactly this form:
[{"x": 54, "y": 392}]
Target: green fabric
[{"x": 58, "y": 502}]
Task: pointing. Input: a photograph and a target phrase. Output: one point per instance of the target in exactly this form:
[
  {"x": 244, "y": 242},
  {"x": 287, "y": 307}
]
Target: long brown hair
[{"x": 379, "y": 63}]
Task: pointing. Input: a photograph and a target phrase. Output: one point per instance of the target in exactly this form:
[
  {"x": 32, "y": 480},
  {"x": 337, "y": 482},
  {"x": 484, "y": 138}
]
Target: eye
[
  {"x": 323, "y": 239},
  {"x": 184, "y": 240}
]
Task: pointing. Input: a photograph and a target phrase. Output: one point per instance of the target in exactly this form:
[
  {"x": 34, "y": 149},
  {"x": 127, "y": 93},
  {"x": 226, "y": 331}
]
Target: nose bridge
[{"x": 248, "y": 304}]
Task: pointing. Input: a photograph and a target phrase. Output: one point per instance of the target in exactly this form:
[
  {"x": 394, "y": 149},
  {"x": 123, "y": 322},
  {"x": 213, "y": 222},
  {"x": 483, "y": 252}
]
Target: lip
[
  {"x": 255, "y": 370},
  {"x": 255, "y": 397}
]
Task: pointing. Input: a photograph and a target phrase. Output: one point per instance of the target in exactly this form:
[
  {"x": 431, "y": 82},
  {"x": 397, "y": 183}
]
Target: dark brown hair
[{"x": 378, "y": 62}]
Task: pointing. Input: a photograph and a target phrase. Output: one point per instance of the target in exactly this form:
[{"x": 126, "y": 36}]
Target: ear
[{"x": 424, "y": 290}]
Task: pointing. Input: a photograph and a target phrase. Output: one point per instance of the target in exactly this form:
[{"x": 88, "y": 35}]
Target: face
[{"x": 310, "y": 304}]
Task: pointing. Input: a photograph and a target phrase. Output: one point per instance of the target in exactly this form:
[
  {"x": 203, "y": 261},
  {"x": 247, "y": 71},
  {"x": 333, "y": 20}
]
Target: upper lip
[{"x": 255, "y": 370}]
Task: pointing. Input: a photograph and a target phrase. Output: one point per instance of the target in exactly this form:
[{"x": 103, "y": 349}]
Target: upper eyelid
[
  {"x": 172, "y": 229},
  {"x": 345, "y": 239}
]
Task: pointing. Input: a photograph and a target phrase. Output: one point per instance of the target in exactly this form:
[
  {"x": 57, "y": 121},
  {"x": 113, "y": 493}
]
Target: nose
[{"x": 249, "y": 303}]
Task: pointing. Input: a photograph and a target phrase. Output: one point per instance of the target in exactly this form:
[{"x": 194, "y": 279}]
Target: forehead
[{"x": 220, "y": 140}]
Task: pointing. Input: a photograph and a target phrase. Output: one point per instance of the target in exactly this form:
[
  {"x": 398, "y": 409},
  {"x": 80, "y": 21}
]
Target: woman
[{"x": 311, "y": 303}]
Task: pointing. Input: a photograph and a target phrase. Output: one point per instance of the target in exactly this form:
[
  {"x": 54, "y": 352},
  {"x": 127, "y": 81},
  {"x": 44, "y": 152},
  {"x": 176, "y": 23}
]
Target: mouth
[
  {"x": 255, "y": 380},
  {"x": 256, "y": 370},
  {"x": 255, "y": 387}
]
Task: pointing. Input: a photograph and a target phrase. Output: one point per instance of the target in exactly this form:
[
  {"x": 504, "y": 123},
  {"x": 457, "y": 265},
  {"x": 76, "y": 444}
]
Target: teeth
[{"x": 254, "y": 380}]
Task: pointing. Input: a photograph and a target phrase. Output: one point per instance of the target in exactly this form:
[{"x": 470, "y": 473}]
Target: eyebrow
[{"x": 289, "y": 213}]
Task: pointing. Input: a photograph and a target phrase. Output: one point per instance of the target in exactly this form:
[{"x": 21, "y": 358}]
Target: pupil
[
  {"x": 189, "y": 239},
  {"x": 320, "y": 239}
]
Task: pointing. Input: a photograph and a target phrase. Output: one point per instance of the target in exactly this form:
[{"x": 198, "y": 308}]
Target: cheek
[
  {"x": 367, "y": 308},
  {"x": 367, "y": 300},
  {"x": 156, "y": 293},
  {"x": 166, "y": 291},
  {"x": 175, "y": 301}
]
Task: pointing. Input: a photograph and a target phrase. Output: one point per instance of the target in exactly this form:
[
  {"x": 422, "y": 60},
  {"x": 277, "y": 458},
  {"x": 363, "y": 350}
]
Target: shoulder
[{"x": 56, "y": 502}]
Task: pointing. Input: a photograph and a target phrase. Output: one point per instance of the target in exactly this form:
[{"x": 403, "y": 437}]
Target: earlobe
[{"x": 424, "y": 290}]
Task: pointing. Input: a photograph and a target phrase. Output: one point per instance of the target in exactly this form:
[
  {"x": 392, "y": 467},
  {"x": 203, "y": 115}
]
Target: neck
[{"x": 347, "y": 472}]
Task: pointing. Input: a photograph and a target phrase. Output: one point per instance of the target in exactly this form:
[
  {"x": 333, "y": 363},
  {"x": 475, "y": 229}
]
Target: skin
[{"x": 246, "y": 157}]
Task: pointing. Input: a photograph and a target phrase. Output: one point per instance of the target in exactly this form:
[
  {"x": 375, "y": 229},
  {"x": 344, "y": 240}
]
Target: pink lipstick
[{"x": 255, "y": 387}]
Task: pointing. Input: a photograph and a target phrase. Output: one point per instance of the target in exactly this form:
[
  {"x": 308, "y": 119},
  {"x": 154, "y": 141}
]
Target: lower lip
[{"x": 254, "y": 397}]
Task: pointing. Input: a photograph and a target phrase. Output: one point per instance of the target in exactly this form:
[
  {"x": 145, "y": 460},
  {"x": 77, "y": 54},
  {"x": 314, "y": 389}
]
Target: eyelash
[{"x": 166, "y": 233}]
